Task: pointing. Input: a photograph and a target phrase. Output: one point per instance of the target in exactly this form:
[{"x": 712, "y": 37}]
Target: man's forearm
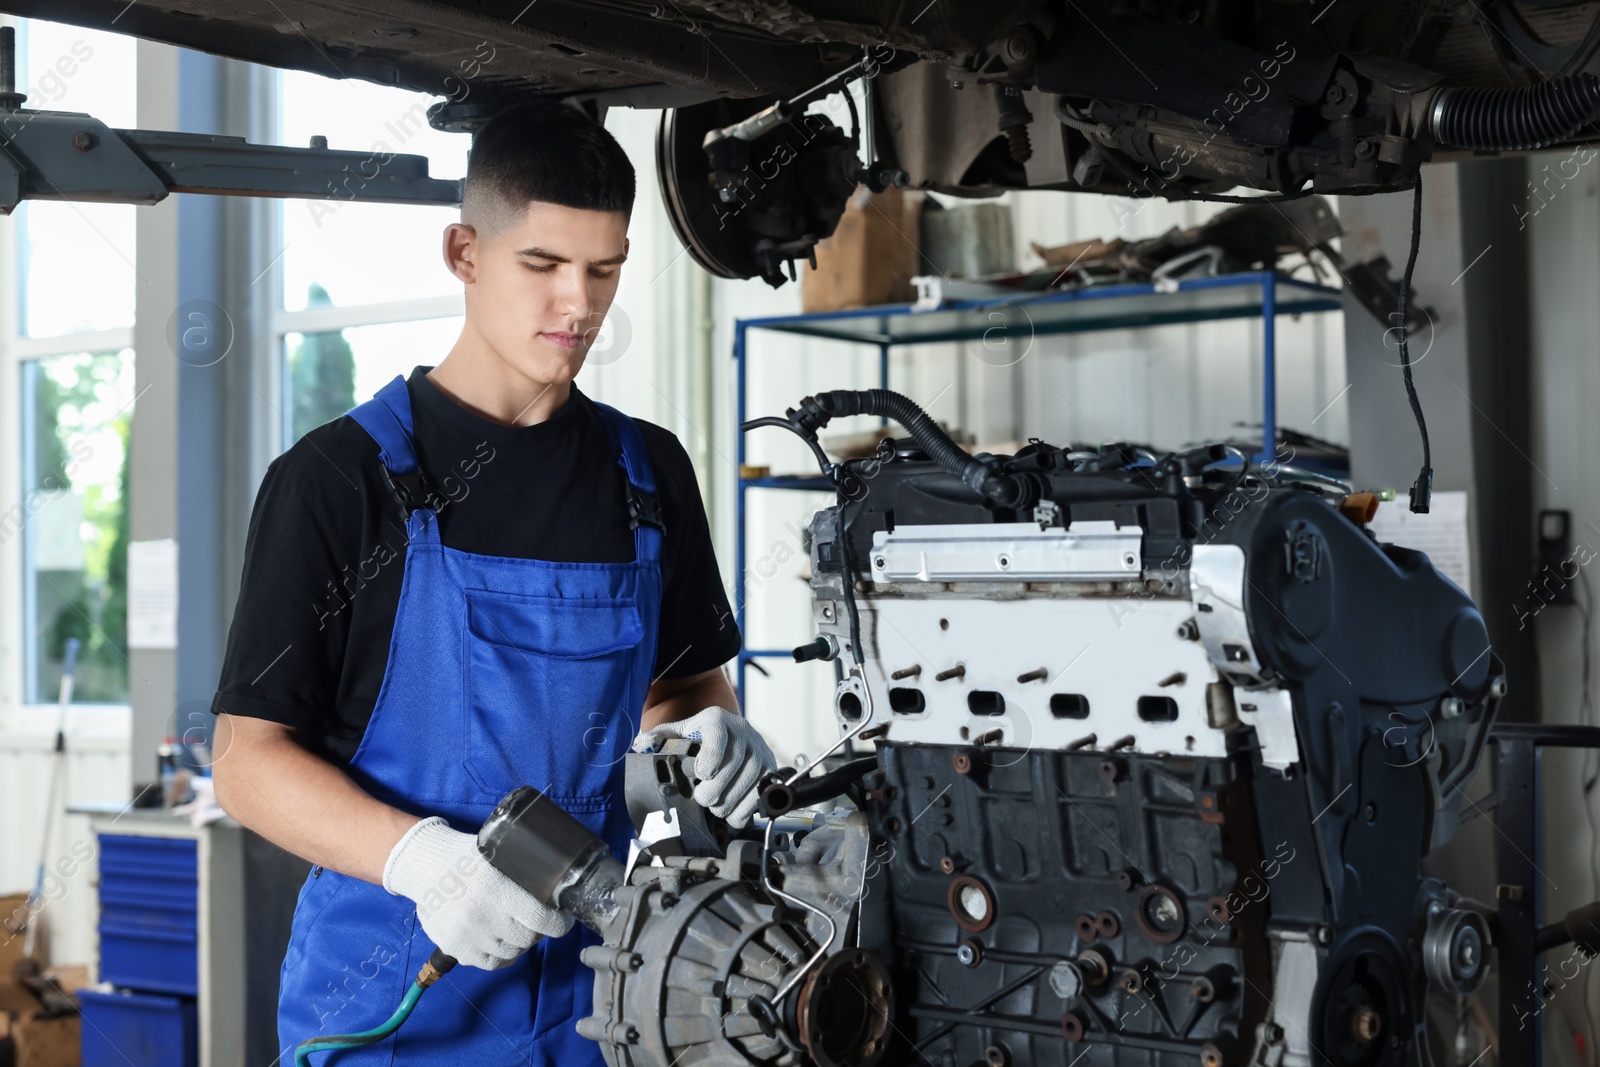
[
  {"x": 674, "y": 701},
  {"x": 300, "y": 802}
]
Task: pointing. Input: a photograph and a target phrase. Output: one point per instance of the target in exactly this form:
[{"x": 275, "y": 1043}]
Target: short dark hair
[{"x": 545, "y": 150}]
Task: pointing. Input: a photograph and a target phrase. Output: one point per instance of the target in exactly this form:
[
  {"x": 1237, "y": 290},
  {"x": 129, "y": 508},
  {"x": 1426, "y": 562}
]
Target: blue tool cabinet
[
  {"x": 124, "y": 1028},
  {"x": 149, "y": 913},
  {"x": 170, "y": 939}
]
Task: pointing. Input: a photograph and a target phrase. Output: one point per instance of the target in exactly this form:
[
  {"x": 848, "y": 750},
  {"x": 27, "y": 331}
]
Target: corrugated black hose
[{"x": 1507, "y": 120}]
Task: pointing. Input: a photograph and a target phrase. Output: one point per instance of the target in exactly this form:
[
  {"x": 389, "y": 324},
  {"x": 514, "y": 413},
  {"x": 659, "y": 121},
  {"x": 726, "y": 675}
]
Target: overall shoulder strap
[
  {"x": 644, "y": 506},
  {"x": 387, "y": 420}
]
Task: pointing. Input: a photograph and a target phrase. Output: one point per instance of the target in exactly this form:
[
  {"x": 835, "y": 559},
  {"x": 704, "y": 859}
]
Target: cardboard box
[
  {"x": 29, "y": 1037},
  {"x": 13, "y": 931},
  {"x": 871, "y": 257},
  {"x": 40, "y": 1041}
]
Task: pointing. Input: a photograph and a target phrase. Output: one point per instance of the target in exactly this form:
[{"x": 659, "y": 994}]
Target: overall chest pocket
[{"x": 551, "y": 700}]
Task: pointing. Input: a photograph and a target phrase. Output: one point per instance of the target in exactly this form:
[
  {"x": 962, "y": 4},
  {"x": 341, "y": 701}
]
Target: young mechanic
[{"x": 479, "y": 579}]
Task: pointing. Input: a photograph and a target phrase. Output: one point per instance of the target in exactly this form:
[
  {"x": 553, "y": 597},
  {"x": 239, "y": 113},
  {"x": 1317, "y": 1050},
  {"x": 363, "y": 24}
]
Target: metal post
[
  {"x": 739, "y": 507},
  {"x": 1269, "y": 366},
  {"x": 883, "y": 374},
  {"x": 1519, "y": 817}
]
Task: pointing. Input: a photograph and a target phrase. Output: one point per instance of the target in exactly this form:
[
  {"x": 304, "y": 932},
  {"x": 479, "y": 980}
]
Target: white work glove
[
  {"x": 472, "y": 911},
  {"x": 731, "y": 760}
]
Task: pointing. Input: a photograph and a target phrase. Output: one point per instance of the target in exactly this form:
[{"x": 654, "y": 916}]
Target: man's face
[{"x": 539, "y": 289}]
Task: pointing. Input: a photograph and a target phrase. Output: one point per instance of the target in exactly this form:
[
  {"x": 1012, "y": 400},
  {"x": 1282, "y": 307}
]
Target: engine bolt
[
  {"x": 1096, "y": 968},
  {"x": 958, "y": 671},
  {"x": 1066, "y": 980},
  {"x": 995, "y": 1056},
  {"x": 969, "y": 953},
  {"x": 1210, "y": 1055},
  {"x": 1202, "y": 991}
]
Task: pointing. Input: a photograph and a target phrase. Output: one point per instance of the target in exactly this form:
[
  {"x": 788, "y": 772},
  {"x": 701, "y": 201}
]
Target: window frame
[{"x": 17, "y": 716}]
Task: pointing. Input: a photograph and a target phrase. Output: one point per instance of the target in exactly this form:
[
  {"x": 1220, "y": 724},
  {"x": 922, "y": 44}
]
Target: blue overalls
[{"x": 501, "y": 672}]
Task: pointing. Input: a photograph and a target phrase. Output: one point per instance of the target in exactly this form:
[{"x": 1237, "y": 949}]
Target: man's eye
[
  {"x": 545, "y": 269},
  {"x": 601, "y": 273}
]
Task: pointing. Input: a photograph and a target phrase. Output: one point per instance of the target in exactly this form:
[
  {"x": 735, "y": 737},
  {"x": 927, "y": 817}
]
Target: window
[
  {"x": 365, "y": 253},
  {"x": 326, "y": 374},
  {"x": 76, "y": 411},
  {"x": 64, "y": 249},
  {"x": 365, "y": 294}
]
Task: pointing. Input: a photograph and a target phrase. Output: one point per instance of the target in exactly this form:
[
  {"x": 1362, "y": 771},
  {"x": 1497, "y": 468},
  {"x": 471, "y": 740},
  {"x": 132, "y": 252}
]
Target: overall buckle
[
  {"x": 644, "y": 508},
  {"x": 410, "y": 490}
]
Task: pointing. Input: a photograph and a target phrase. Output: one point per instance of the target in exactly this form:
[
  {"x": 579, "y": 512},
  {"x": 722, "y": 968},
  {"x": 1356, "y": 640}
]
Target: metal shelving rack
[{"x": 1256, "y": 294}]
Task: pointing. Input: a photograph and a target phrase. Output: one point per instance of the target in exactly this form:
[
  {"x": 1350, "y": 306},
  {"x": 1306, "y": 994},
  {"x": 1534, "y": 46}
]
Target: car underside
[{"x": 1170, "y": 98}]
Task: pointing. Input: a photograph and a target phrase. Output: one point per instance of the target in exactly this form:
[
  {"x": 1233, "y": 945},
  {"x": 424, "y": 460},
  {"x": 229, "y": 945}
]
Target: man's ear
[{"x": 461, "y": 251}]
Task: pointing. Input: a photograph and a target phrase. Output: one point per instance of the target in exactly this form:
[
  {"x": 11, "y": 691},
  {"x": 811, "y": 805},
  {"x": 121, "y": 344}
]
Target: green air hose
[{"x": 438, "y": 964}]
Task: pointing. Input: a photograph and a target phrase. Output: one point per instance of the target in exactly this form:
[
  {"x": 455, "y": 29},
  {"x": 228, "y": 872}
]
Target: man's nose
[{"x": 573, "y": 297}]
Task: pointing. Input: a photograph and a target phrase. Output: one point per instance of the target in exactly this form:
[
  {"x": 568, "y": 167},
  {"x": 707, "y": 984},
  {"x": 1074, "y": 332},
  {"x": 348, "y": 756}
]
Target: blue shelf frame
[{"x": 1072, "y": 311}]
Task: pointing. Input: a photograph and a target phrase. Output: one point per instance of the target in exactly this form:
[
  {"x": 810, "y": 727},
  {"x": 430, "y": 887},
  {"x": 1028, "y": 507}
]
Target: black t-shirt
[{"x": 325, "y": 553}]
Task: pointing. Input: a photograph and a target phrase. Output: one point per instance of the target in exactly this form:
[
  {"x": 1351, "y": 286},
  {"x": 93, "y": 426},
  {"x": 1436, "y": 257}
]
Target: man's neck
[{"x": 475, "y": 378}]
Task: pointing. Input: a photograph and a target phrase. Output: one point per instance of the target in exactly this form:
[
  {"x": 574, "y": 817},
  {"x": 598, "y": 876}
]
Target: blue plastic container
[
  {"x": 149, "y": 914},
  {"x": 122, "y": 1029}
]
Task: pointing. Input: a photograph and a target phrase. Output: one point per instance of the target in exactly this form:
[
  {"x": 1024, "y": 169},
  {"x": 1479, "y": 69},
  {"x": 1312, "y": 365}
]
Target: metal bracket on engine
[
  {"x": 1271, "y": 712},
  {"x": 661, "y": 784},
  {"x": 1216, "y": 582},
  {"x": 660, "y": 836}
]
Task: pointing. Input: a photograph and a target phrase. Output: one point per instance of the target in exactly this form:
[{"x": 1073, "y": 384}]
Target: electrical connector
[{"x": 1422, "y": 491}]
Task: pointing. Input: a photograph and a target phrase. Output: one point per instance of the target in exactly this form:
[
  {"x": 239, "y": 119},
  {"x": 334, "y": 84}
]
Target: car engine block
[{"x": 1157, "y": 751}]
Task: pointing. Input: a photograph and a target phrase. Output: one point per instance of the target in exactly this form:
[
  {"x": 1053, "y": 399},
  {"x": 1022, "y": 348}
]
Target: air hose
[
  {"x": 437, "y": 966},
  {"x": 814, "y": 412},
  {"x": 1507, "y": 120}
]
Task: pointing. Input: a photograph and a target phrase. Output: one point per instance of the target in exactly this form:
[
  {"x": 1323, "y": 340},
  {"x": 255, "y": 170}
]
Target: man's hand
[
  {"x": 469, "y": 909},
  {"x": 732, "y": 759}
]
